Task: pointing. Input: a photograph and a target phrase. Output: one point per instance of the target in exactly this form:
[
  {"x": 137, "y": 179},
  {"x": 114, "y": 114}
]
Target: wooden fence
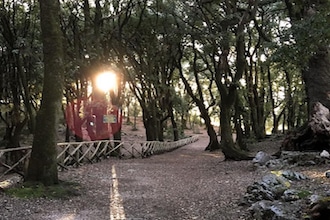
[{"x": 74, "y": 154}]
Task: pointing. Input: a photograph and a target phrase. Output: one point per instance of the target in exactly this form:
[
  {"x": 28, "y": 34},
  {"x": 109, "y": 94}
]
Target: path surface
[{"x": 187, "y": 183}]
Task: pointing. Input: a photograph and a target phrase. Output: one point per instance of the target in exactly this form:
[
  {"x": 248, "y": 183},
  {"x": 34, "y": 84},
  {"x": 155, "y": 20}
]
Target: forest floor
[{"x": 187, "y": 183}]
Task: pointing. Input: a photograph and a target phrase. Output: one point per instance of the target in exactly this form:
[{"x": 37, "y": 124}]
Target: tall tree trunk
[
  {"x": 150, "y": 124},
  {"x": 290, "y": 107},
  {"x": 229, "y": 148},
  {"x": 173, "y": 122},
  {"x": 228, "y": 93},
  {"x": 43, "y": 163},
  {"x": 25, "y": 92},
  {"x": 213, "y": 140},
  {"x": 317, "y": 78},
  {"x": 239, "y": 113},
  {"x": 256, "y": 105},
  {"x": 272, "y": 101},
  {"x": 316, "y": 75}
]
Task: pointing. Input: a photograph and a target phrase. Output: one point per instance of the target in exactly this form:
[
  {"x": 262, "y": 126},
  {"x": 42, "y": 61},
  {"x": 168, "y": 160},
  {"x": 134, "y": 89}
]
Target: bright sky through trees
[{"x": 106, "y": 81}]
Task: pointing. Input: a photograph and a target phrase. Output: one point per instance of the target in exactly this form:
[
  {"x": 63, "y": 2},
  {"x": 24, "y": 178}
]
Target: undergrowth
[{"x": 63, "y": 190}]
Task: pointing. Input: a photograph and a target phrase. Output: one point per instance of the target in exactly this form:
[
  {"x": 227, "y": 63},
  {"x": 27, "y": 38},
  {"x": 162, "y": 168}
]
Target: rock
[
  {"x": 257, "y": 192},
  {"x": 327, "y": 174},
  {"x": 320, "y": 209},
  {"x": 327, "y": 193},
  {"x": 272, "y": 210},
  {"x": 302, "y": 158},
  {"x": 276, "y": 163},
  {"x": 10, "y": 182},
  {"x": 261, "y": 158},
  {"x": 272, "y": 197},
  {"x": 289, "y": 158},
  {"x": 272, "y": 180},
  {"x": 271, "y": 187},
  {"x": 325, "y": 154},
  {"x": 314, "y": 198},
  {"x": 292, "y": 175},
  {"x": 290, "y": 195}
]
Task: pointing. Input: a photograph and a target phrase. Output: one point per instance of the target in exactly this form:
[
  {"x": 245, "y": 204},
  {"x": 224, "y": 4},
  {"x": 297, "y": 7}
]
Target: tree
[
  {"x": 309, "y": 20},
  {"x": 18, "y": 68},
  {"x": 311, "y": 33},
  {"x": 143, "y": 40},
  {"x": 43, "y": 163},
  {"x": 216, "y": 33}
]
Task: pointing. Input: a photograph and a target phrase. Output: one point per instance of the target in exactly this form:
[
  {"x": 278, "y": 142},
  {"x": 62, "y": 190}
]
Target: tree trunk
[
  {"x": 228, "y": 146},
  {"x": 317, "y": 78},
  {"x": 173, "y": 122},
  {"x": 161, "y": 127},
  {"x": 213, "y": 143},
  {"x": 272, "y": 101},
  {"x": 256, "y": 105},
  {"x": 150, "y": 123},
  {"x": 317, "y": 73},
  {"x": 239, "y": 111},
  {"x": 314, "y": 136},
  {"x": 213, "y": 139},
  {"x": 228, "y": 92},
  {"x": 26, "y": 94},
  {"x": 290, "y": 108},
  {"x": 43, "y": 163}
]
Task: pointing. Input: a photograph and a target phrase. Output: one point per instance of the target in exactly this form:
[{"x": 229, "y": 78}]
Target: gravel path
[{"x": 187, "y": 183}]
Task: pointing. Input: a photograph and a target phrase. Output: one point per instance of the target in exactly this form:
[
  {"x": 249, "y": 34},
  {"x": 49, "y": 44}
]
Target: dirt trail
[{"x": 187, "y": 183}]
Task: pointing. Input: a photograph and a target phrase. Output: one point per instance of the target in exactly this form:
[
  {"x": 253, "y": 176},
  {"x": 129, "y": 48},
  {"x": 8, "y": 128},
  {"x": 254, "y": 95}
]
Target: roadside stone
[
  {"x": 320, "y": 209},
  {"x": 314, "y": 198},
  {"x": 290, "y": 195},
  {"x": 10, "y": 182},
  {"x": 272, "y": 180},
  {"x": 327, "y": 174},
  {"x": 327, "y": 193},
  {"x": 258, "y": 192},
  {"x": 261, "y": 158},
  {"x": 302, "y": 158},
  {"x": 325, "y": 154},
  {"x": 292, "y": 175},
  {"x": 273, "y": 197},
  {"x": 276, "y": 164},
  {"x": 274, "y": 210},
  {"x": 271, "y": 187}
]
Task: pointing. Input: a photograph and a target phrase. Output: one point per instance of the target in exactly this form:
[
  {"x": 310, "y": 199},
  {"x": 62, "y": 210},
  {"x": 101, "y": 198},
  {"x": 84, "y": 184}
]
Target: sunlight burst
[{"x": 106, "y": 81}]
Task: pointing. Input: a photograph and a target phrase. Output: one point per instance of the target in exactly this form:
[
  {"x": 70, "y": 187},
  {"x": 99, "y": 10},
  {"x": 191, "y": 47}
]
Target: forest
[{"x": 252, "y": 68}]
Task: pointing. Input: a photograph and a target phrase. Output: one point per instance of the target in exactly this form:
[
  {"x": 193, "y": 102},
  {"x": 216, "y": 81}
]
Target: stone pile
[{"x": 275, "y": 196}]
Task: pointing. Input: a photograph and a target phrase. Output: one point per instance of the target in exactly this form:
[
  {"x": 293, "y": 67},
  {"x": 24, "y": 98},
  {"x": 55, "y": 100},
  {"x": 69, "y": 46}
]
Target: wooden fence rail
[{"x": 73, "y": 154}]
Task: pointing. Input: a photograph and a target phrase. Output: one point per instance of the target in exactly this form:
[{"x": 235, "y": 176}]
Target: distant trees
[
  {"x": 20, "y": 55},
  {"x": 219, "y": 54}
]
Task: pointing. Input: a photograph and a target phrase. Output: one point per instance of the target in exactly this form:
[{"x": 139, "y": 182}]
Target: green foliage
[
  {"x": 304, "y": 194},
  {"x": 303, "y": 39},
  {"x": 63, "y": 190}
]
